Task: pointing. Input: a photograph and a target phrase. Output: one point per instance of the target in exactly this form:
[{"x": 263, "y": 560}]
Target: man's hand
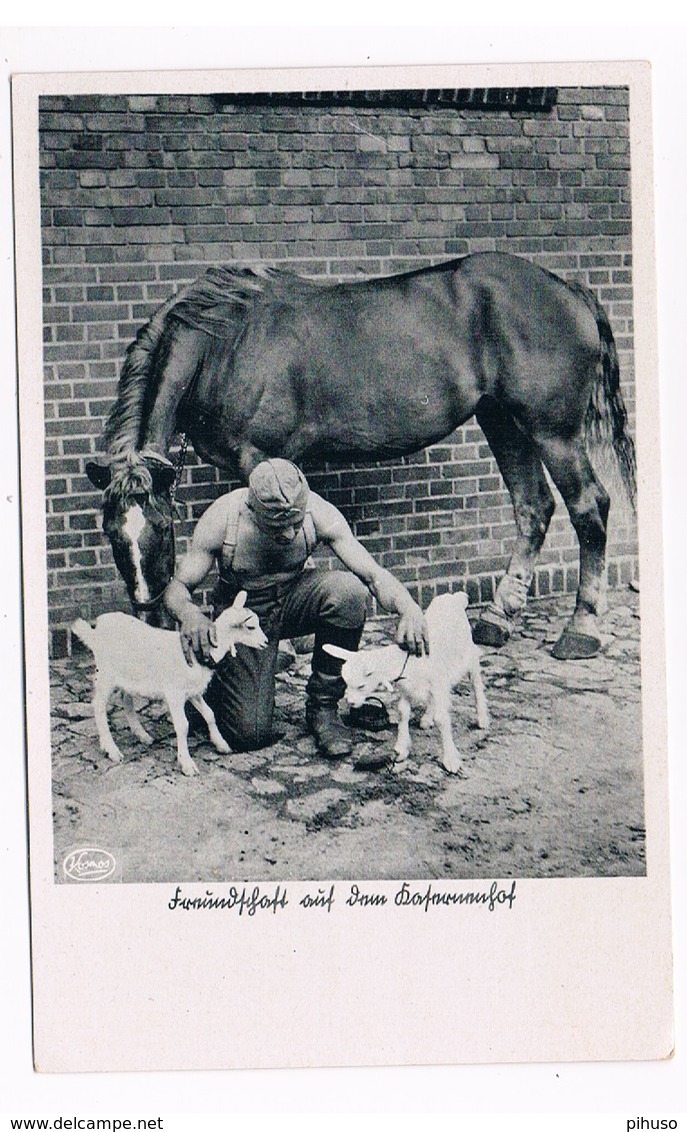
[
  {"x": 412, "y": 633},
  {"x": 198, "y": 635},
  {"x": 332, "y": 528}
]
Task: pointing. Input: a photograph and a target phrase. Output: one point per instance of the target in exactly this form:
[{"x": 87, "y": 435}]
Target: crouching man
[{"x": 261, "y": 538}]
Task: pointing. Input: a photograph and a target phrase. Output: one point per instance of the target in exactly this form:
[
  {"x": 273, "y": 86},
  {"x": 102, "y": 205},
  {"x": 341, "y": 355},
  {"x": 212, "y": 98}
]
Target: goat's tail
[{"x": 85, "y": 633}]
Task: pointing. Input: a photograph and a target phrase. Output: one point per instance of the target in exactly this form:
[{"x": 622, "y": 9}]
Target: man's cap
[{"x": 278, "y": 492}]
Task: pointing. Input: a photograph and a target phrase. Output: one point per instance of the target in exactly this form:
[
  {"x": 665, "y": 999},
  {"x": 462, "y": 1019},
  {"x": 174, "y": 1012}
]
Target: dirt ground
[{"x": 554, "y": 790}]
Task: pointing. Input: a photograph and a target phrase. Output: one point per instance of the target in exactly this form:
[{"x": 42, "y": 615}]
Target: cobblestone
[{"x": 555, "y": 788}]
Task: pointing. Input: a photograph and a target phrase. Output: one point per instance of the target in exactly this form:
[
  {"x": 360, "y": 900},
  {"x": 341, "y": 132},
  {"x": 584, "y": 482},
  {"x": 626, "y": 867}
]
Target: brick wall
[{"x": 141, "y": 193}]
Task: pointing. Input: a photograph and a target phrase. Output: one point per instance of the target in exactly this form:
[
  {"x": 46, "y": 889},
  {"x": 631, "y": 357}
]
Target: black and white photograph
[
  {"x": 341, "y": 600},
  {"x": 383, "y": 334}
]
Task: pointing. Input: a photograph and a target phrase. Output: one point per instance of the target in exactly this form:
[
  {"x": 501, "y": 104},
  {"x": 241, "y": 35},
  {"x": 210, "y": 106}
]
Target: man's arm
[
  {"x": 196, "y": 630},
  {"x": 333, "y": 529}
]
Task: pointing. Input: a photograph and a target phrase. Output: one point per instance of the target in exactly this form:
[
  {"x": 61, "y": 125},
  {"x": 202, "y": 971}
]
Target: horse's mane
[
  {"x": 124, "y": 424},
  {"x": 218, "y": 304}
]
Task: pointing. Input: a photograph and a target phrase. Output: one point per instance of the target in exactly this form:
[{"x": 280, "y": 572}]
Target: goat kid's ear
[
  {"x": 339, "y": 653},
  {"x": 100, "y": 475},
  {"x": 240, "y": 600}
]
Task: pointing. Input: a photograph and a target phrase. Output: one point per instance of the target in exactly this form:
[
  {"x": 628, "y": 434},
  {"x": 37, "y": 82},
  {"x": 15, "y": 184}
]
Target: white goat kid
[
  {"x": 140, "y": 659},
  {"x": 425, "y": 681}
]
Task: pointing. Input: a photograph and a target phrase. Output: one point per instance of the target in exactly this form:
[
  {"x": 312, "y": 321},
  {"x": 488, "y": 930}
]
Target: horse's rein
[{"x": 179, "y": 471}]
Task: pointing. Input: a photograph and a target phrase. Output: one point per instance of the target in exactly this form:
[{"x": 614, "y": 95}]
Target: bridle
[
  {"x": 149, "y": 606},
  {"x": 179, "y": 470},
  {"x": 152, "y": 604}
]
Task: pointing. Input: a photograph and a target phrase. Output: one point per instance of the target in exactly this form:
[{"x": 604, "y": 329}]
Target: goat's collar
[{"x": 401, "y": 673}]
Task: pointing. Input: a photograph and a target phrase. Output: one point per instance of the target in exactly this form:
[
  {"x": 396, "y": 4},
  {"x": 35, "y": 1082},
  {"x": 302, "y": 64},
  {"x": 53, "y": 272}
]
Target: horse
[{"x": 254, "y": 362}]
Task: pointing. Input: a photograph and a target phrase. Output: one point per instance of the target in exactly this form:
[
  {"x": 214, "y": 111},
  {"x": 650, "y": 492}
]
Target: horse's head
[{"x": 139, "y": 522}]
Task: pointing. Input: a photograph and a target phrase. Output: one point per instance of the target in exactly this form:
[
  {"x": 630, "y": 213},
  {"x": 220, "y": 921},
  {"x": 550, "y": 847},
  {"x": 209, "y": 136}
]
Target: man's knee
[
  {"x": 243, "y": 706},
  {"x": 248, "y": 735},
  {"x": 245, "y": 730},
  {"x": 346, "y": 603}
]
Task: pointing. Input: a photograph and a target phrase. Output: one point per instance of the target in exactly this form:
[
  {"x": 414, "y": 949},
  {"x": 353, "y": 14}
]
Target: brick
[{"x": 319, "y": 191}]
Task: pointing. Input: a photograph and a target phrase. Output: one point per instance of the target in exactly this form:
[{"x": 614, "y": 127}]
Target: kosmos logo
[{"x": 89, "y": 864}]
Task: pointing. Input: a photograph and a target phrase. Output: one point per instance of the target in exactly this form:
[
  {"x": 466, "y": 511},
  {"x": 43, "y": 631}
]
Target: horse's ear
[
  {"x": 240, "y": 600},
  {"x": 100, "y": 475},
  {"x": 163, "y": 477}
]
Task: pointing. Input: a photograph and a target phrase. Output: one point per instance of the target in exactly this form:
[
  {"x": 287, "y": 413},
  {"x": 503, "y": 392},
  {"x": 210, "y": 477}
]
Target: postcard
[{"x": 346, "y": 726}]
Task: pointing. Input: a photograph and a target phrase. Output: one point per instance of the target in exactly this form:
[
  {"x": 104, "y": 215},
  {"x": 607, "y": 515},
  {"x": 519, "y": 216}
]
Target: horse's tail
[
  {"x": 606, "y": 421},
  {"x": 123, "y": 426}
]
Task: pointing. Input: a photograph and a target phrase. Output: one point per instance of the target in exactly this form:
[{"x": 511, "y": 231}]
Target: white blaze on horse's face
[{"x": 132, "y": 529}]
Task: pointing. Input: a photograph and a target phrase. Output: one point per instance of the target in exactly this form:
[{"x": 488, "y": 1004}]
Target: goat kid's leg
[
  {"x": 403, "y": 744},
  {"x": 176, "y": 710},
  {"x": 220, "y": 744},
  {"x": 427, "y": 720},
  {"x": 134, "y": 722},
  {"x": 451, "y": 760},
  {"x": 100, "y": 699},
  {"x": 483, "y": 719}
]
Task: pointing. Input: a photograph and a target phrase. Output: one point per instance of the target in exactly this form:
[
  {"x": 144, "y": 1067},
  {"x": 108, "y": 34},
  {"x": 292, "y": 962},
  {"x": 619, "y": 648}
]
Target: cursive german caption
[{"x": 256, "y": 900}]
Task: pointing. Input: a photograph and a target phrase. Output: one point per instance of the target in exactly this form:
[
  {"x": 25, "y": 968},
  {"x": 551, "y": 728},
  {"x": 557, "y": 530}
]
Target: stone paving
[{"x": 554, "y": 790}]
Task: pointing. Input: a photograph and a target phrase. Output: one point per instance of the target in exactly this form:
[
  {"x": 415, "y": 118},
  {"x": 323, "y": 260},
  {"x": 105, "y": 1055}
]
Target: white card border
[{"x": 657, "y": 597}]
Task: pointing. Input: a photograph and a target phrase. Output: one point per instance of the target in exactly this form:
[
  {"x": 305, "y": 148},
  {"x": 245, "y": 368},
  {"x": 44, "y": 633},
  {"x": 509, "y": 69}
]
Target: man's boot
[{"x": 333, "y": 739}]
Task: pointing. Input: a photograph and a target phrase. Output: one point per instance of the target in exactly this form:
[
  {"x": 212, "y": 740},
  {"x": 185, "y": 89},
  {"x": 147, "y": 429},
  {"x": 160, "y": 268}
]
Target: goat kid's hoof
[
  {"x": 114, "y": 756},
  {"x": 493, "y": 629},
  {"x": 455, "y": 768},
  {"x": 575, "y": 646},
  {"x": 189, "y": 769}
]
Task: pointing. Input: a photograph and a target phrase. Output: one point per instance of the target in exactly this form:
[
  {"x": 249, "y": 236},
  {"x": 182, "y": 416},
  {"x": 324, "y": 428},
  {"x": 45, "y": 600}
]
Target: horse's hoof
[
  {"x": 575, "y": 646},
  {"x": 493, "y": 628}
]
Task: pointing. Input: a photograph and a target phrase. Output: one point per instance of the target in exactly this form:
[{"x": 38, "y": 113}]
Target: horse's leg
[
  {"x": 588, "y": 505},
  {"x": 533, "y": 505}
]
